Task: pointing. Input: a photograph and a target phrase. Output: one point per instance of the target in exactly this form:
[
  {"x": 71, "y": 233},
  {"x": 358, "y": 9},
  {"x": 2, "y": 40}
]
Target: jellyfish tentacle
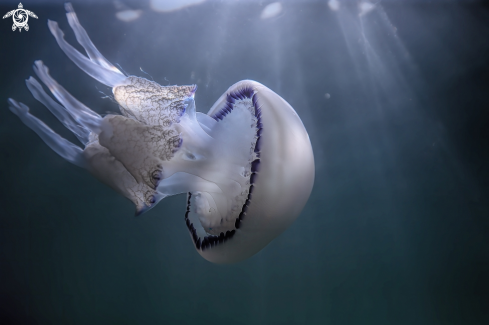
[
  {"x": 81, "y": 132},
  {"x": 58, "y": 144},
  {"x": 82, "y": 38},
  {"x": 82, "y": 114},
  {"x": 104, "y": 75}
]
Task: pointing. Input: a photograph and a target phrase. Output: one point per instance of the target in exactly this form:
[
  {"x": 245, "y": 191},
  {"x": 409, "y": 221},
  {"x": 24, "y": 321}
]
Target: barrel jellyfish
[{"x": 247, "y": 166}]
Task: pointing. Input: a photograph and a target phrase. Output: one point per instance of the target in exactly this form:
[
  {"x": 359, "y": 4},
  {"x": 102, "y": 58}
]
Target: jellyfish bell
[
  {"x": 281, "y": 178},
  {"x": 246, "y": 166}
]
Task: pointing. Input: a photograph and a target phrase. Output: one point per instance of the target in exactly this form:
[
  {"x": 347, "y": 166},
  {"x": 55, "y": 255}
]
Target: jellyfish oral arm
[
  {"x": 61, "y": 146},
  {"x": 96, "y": 65},
  {"x": 247, "y": 166}
]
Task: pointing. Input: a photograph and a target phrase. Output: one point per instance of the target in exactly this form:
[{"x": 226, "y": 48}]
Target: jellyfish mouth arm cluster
[{"x": 247, "y": 166}]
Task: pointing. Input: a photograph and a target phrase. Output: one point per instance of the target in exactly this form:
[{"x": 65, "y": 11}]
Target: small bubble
[{"x": 327, "y": 96}]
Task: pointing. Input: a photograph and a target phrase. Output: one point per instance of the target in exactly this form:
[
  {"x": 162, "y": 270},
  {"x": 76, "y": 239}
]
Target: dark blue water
[{"x": 396, "y": 230}]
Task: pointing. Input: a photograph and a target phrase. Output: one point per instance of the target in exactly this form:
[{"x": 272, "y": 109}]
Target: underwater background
[{"x": 395, "y": 97}]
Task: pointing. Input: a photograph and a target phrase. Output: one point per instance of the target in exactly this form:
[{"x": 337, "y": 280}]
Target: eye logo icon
[{"x": 20, "y": 17}]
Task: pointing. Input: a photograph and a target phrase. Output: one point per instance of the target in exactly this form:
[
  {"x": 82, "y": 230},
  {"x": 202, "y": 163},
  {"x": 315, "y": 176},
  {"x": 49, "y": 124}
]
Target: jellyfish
[{"x": 247, "y": 166}]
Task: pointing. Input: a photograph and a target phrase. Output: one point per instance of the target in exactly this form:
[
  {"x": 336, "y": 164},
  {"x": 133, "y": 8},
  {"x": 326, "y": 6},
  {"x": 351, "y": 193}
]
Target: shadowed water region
[{"x": 394, "y": 97}]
